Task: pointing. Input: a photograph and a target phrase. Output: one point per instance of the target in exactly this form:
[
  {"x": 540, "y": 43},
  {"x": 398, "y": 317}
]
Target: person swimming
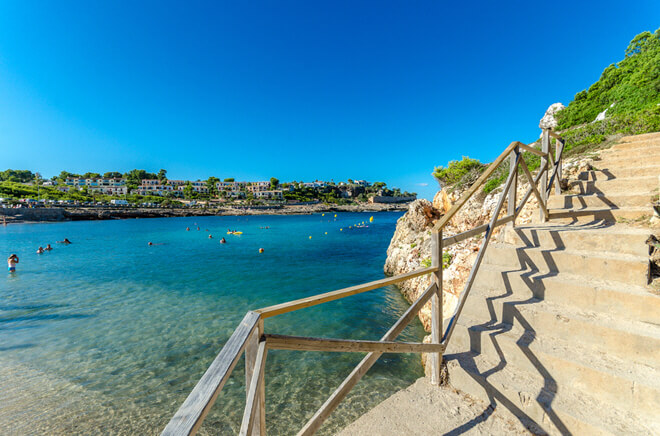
[
  {"x": 223, "y": 241},
  {"x": 210, "y": 236},
  {"x": 12, "y": 260},
  {"x": 66, "y": 241},
  {"x": 40, "y": 250},
  {"x": 187, "y": 229},
  {"x": 48, "y": 247},
  {"x": 150, "y": 243}
]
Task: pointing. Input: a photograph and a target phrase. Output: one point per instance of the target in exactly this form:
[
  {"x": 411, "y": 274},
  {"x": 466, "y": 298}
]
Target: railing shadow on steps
[{"x": 250, "y": 336}]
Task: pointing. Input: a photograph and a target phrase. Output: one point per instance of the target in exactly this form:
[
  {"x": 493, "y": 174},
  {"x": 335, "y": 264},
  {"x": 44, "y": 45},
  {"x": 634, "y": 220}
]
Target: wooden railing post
[
  {"x": 558, "y": 155},
  {"x": 545, "y": 148},
  {"x": 436, "y": 305},
  {"x": 251, "y": 350},
  {"x": 511, "y": 201}
]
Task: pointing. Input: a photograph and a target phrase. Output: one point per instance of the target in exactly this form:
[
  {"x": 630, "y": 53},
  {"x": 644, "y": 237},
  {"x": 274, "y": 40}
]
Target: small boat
[{"x": 234, "y": 233}]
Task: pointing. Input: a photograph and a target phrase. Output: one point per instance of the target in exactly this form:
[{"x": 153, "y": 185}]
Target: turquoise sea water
[{"x": 111, "y": 334}]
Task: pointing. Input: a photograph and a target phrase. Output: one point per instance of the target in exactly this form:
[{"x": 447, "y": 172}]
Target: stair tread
[
  {"x": 567, "y": 311},
  {"x": 578, "y": 404},
  {"x": 600, "y": 254},
  {"x": 575, "y": 353},
  {"x": 597, "y": 283}
]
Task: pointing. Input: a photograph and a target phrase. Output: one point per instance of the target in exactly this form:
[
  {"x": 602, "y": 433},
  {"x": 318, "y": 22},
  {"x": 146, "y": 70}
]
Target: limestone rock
[{"x": 549, "y": 121}]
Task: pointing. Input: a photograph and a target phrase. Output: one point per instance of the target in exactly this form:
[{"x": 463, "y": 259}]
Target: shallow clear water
[{"x": 112, "y": 334}]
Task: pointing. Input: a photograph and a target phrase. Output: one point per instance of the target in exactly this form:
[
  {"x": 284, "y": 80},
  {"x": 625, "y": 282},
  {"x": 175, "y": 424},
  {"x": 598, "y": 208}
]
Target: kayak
[{"x": 234, "y": 233}]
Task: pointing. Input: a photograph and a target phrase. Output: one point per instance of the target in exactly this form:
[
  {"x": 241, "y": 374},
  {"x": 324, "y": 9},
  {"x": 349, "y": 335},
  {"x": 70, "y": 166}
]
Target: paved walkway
[{"x": 422, "y": 409}]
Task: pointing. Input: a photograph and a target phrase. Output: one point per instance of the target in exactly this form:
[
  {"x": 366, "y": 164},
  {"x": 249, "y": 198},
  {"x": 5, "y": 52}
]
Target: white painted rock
[{"x": 549, "y": 121}]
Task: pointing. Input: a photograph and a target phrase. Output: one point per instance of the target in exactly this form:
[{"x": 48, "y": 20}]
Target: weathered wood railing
[{"x": 250, "y": 337}]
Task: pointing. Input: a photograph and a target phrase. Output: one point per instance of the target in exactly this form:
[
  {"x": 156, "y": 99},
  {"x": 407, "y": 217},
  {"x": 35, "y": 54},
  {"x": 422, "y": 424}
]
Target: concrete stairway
[{"x": 560, "y": 329}]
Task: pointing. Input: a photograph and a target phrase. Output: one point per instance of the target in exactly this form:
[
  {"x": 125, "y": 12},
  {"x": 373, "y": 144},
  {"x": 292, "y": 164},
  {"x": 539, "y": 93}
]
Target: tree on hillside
[
  {"x": 162, "y": 176},
  {"x": 89, "y": 175},
  {"x": 274, "y": 183},
  {"x": 18, "y": 176},
  {"x": 188, "y": 191},
  {"x": 112, "y": 175},
  {"x": 230, "y": 179},
  {"x": 210, "y": 184}
]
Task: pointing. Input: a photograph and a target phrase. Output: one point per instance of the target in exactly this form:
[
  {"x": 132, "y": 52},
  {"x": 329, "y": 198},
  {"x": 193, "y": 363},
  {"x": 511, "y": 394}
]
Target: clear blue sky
[{"x": 380, "y": 90}]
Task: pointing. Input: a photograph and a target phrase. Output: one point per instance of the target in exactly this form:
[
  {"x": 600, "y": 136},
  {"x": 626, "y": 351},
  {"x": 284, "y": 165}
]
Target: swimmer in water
[
  {"x": 197, "y": 228},
  {"x": 187, "y": 229},
  {"x": 210, "y": 236},
  {"x": 223, "y": 241},
  {"x": 150, "y": 243},
  {"x": 48, "y": 247},
  {"x": 66, "y": 241},
  {"x": 11, "y": 263},
  {"x": 40, "y": 250}
]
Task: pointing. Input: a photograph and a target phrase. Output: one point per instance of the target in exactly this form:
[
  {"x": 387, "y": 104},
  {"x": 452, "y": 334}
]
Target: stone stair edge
[
  {"x": 598, "y": 319},
  {"x": 606, "y": 255},
  {"x": 597, "y": 284},
  {"x": 572, "y": 353},
  {"x": 518, "y": 386}
]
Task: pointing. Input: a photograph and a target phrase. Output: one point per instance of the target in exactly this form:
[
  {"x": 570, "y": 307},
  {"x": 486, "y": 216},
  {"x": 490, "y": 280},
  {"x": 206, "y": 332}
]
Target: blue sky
[{"x": 380, "y": 90}]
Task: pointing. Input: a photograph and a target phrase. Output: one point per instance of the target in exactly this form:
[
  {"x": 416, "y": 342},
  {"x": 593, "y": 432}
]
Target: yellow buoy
[
  {"x": 261, "y": 250},
  {"x": 371, "y": 220},
  {"x": 310, "y": 237},
  {"x": 322, "y": 214},
  {"x": 326, "y": 233},
  {"x": 350, "y": 227},
  {"x": 341, "y": 230},
  {"x": 335, "y": 215}
]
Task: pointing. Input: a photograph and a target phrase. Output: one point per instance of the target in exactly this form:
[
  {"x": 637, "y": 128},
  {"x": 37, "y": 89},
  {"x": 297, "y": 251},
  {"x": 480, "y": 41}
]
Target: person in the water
[
  {"x": 66, "y": 241},
  {"x": 223, "y": 241},
  {"x": 11, "y": 263},
  {"x": 48, "y": 247},
  {"x": 40, "y": 250}
]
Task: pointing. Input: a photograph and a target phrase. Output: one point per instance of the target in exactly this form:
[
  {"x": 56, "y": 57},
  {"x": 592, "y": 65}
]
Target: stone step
[
  {"x": 636, "y": 185},
  {"x": 645, "y": 151},
  {"x": 633, "y": 147},
  {"x": 577, "y": 201},
  {"x": 600, "y": 236},
  {"x": 526, "y": 397},
  {"x": 618, "y": 382},
  {"x": 631, "y": 340},
  {"x": 626, "y": 301},
  {"x": 625, "y": 162},
  {"x": 621, "y": 173},
  {"x": 593, "y": 214},
  {"x": 620, "y": 267},
  {"x": 653, "y": 136}
]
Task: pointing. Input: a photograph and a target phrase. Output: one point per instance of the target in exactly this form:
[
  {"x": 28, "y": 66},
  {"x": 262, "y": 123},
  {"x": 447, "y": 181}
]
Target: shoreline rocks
[{"x": 57, "y": 214}]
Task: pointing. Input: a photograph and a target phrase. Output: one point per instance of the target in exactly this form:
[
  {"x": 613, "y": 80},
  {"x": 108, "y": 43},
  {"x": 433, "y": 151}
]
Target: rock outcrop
[{"x": 549, "y": 121}]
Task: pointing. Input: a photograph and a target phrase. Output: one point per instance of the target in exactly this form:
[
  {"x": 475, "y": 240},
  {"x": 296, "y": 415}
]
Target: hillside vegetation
[{"x": 628, "y": 89}]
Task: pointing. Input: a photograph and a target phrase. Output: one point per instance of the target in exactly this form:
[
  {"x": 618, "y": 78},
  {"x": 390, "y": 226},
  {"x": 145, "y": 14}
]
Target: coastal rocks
[
  {"x": 549, "y": 121},
  {"x": 654, "y": 260}
]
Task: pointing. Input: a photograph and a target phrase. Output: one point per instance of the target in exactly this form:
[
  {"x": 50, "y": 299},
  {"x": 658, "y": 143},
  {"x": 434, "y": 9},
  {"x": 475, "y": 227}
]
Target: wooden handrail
[
  {"x": 283, "y": 342},
  {"x": 290, "y": 306},
  {"x": 252, "y": 401},
  {"x": 361, "y": 369},
  {"x": 533, "y": 150},
  {"x": 477, "y": 184},
  {"x": 194, "y": 409},
  {"x": 555, "y": 135}
]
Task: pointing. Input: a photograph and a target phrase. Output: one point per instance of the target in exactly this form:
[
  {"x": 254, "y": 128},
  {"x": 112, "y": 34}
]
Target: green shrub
[{"x": 459, "y": 173}]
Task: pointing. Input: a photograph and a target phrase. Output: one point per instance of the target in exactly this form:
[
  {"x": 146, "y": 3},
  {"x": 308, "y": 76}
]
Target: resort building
[
  {"x": 255, "y": 187},
  {"x": 269, "y": 195},
  {"x": 104, "y": 185}
]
